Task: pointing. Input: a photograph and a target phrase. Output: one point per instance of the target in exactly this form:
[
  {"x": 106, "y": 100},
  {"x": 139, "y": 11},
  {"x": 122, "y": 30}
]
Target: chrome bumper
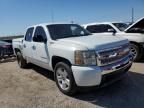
[{"x": 124, "y": 63}]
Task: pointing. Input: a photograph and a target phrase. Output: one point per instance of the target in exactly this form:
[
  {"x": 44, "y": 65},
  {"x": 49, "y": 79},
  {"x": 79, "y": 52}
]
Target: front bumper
[
  {"x": 142, "y": 44},
  {"x": 94, "y": 75},
  {"x": 6, "y": 51}
]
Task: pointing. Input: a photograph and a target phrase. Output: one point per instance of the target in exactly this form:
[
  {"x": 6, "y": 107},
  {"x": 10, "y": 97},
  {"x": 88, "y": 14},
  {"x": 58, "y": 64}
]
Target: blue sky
[{"x": 16, "y": 15}]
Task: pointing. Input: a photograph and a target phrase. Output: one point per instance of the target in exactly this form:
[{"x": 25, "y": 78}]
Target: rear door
[
  {"x": 27, "y": 44},
  {"x": 40, "y": 47}
]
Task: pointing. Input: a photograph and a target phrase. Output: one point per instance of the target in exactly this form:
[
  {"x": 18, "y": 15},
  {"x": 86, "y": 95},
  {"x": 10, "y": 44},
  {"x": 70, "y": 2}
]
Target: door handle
[
  {"x": 24, "y": 46},
  {"x": 34, "y": 47}
]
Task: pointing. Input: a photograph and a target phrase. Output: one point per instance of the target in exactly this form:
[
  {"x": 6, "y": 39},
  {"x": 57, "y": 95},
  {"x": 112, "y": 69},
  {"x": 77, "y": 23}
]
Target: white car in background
[{"x": 134, "y": 33}]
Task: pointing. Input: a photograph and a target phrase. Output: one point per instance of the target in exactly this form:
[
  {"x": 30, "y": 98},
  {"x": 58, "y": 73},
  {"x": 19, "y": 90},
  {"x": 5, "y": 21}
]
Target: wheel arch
[
  {"x": 136, "y": 43},
  {"x": 56, "y": 59}
]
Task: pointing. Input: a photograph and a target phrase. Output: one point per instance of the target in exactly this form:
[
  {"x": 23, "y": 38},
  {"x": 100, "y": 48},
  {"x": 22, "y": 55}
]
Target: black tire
[
  {"x": 72, "y": 89},
  {"x": 21, "y": 61},
  {"x": 2, "y": 54},
  {"x": 136, "y": 52}
]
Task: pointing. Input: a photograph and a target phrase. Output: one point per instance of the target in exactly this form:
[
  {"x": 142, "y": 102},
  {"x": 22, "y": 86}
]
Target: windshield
[
  {"x": 121, "y": 26},
  {"x": 137, "y": 27},
  {"x": 59, "y": 31}
]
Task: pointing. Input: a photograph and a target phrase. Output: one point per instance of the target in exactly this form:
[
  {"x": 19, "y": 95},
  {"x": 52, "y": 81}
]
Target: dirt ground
[{"x": 35, "y": 88}]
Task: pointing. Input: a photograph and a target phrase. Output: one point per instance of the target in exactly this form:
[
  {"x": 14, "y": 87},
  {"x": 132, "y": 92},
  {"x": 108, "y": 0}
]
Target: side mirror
[
  {"x": 45, "y": 40},
  {"x": 112, "y": 30}
]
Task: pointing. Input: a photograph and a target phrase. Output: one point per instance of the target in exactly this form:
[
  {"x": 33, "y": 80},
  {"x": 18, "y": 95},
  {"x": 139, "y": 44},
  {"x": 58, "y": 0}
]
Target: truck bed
[{"x": 17, "y": 43}]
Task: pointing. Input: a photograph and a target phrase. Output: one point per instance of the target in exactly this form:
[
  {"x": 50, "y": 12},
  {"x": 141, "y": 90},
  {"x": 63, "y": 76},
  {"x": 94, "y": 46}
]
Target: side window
[
  {"x": 28, "y": 36},
  {"x": 99, "y": 28},
  {"x": 94, "y": 28},
  {"x": 107, "y": 28},
  {"x": 39, "y": 35}
]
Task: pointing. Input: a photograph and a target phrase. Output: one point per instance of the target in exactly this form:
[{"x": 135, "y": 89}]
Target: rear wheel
[
  {"x": 135, "y": 50},
  {"x": 21, "y": 61},
  {"x": 64, "y": 79}
]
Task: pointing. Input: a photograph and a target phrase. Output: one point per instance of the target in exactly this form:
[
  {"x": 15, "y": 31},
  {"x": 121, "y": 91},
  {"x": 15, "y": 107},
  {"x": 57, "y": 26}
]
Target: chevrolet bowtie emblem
[{"x": 113, "y": 55}]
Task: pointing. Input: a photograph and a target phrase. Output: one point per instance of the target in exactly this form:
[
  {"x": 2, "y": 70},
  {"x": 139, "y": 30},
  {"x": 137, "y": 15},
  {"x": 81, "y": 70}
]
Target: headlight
[{"x": 85, "y": 58}]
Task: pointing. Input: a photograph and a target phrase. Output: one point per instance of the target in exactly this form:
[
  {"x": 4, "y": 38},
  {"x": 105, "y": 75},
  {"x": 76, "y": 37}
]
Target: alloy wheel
[{"x": 63, "y": 78}]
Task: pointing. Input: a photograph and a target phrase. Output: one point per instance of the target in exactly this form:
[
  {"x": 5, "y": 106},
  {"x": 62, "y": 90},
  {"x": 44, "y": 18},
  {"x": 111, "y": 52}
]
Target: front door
[{"x": 40, "y": 47}]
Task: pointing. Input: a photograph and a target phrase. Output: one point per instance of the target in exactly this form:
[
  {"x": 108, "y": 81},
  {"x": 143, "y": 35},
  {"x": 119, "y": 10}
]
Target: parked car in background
[
  {"x": 6, "y": 48},
  {"x": 134, "y": 33},
  {"x": 76, "y": 57}
]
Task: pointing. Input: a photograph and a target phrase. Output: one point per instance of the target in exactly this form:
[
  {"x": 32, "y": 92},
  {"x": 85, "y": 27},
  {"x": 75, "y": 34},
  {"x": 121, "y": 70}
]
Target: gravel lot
[{"x": 35, "y": 88}]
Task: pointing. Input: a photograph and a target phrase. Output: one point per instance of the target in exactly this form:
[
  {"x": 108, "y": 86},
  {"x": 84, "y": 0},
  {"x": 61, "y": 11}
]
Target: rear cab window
[{"x": 28, "y": 36}]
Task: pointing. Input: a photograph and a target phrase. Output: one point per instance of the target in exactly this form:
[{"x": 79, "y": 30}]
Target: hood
[
  {"x": 135, "y": 27},
  {"x": 4, "y": 43},
  {"x": 96, "y": 42}
]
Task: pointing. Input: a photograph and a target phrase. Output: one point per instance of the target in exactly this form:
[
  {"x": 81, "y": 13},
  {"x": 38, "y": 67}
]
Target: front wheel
[
  {"x": 135, "y": 50},
  {"x": 64, "y": 79}
]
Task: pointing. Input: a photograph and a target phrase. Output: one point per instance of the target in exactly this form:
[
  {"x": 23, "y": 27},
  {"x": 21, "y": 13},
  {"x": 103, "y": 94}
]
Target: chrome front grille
[{"x": 112, "y": 55}]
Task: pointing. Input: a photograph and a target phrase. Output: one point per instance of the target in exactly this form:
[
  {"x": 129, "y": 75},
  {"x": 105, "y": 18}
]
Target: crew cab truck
[
  {"x": 134, "y": 33},
  {"x": 77, "y": 58}
]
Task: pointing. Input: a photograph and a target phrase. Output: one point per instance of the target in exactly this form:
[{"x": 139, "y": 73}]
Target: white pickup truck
[
  {"x": 134, "y": 33},
  {"x": 77, "y": 58}
]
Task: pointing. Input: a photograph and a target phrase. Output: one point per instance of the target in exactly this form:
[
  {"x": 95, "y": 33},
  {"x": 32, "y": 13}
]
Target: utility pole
[
  {"x": 132, "y": 15},
  {"x": 72, "y": 22},
  {"x": 52, "y": 16}
]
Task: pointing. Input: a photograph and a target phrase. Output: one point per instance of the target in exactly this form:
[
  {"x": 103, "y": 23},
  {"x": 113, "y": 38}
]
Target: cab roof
[
  {"x": 96, "y": 23},
  {"x": 45, "y": 24}
]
